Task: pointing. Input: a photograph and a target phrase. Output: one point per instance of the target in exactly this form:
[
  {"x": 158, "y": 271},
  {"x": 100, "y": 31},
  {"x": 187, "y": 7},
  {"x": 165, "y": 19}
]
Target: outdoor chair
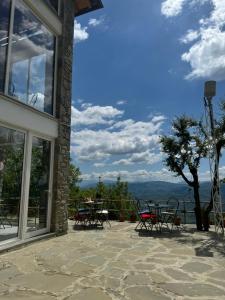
[
  {"x": 82, "y": 215},
  {"x": 147, "y": 218},
  {"x": 101, "y": 213},
  {"x": 170, "y": 214}
]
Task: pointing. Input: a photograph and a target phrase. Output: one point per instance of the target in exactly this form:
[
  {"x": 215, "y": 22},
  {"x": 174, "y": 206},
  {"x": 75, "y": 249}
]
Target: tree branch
[{"x": 183, "y": 176}]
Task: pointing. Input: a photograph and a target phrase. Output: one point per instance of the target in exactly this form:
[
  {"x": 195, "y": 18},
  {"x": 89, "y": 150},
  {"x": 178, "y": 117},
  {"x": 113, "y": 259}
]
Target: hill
[{"x": 161, "y": 190}]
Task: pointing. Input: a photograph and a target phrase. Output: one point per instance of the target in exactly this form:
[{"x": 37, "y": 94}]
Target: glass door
[
  {"x": 38, "y": 202},
  {"x": 11, "y": 172}
]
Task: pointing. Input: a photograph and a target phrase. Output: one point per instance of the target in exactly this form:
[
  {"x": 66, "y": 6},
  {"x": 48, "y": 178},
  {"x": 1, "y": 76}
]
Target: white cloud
[
  {"x": 190, "y": 36},
  {"x": 207, "y": 55},
  {"x": 94, "y": 115},
  {"x": 121, "y": 102},
  {"x": 146, "y": 157},
  {"x": 171, "y": 8},
  {"x": 86, "y": 105},
  {"x": 158, "y": 119},
  {"x": 142, "y": 175},
  {"x": 95, "y": 22},
  {"x": 99, "y": 165},
  {"x": 131, "y": 141},
  {"x": 80, "y": 33},
  {"x": 133, "y": 176}
]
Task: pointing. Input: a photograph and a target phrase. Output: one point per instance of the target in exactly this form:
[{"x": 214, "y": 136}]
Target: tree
[
  {"x": 184, "y": 151},
  {"x": 75, "y": 176},
  {"x": 74, "y": 180}
]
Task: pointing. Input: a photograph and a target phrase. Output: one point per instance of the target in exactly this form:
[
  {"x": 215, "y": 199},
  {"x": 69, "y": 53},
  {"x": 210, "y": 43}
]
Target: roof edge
[{"x": 86, "y": 6}]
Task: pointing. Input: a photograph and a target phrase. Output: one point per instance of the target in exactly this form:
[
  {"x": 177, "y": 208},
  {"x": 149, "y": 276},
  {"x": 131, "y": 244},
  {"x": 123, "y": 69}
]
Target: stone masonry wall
[{"x": 63, "y": 113}]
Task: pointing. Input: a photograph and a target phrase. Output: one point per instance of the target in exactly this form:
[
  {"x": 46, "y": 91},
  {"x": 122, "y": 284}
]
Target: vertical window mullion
[
  {"x": 26, "y": 186},
  {"x": 50, "y": 185},
  {"x": 9, "y": 50}
]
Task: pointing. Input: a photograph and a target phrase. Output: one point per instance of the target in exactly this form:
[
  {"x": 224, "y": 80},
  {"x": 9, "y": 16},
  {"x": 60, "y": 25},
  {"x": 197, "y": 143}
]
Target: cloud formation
[
  {"x": 132, "y": 176},
  {"x": 80, "y": 33},
  {"x": 94, "y": 115},
  {"x": 172, "y": 8},
  {"x": 98, "y": 136},
  {"x": 95, "y": 22},
  {"x": 206, "y": 55},
  {"x": 121, "y": 102}
]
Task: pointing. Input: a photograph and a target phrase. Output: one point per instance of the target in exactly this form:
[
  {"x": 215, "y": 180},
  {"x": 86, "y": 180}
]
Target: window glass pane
[
  {"x": 11, "y": 169},
  {"x": 32, "y": 61},
  {"x": 53, "y": 3},
  {"x": 39, "y": 185},
  {"x": 4, "y": 28}
]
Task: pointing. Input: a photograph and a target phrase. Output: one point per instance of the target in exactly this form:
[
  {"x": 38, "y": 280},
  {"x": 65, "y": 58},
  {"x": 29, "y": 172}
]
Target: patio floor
[{"x": 116, "y": 263}]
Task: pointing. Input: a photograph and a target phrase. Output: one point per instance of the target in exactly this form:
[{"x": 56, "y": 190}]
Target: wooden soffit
[{"x": 85, "y": 6}]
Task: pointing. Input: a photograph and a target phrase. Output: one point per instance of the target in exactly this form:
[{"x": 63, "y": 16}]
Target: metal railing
[{"x": 116, "y": 207}]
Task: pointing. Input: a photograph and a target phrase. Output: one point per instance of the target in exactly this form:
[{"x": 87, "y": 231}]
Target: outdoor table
[
  {"x": 93, "y": 218},
  {"x": 160, "y": 214}
]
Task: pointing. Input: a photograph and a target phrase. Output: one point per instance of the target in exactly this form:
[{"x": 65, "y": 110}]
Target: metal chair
[
  {"x": 169, "y": 215},
  {"x": 146, "y": 216},
  {"x": 101, "y": 213}
]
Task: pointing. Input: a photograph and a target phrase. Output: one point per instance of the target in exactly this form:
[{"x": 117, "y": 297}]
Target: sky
[{"x": 137, "y": 65}]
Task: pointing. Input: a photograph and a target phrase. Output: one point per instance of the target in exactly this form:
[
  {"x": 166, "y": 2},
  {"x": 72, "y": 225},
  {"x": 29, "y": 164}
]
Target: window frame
[
  {"x": 9, "y": 54},
  {"x": 25, "y": 185},
  {"x": 20, "y": 226}
]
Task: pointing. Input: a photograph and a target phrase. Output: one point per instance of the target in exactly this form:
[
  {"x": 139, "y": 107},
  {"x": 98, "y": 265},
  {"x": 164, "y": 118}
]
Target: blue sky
[{"x": 136, "y": 67}]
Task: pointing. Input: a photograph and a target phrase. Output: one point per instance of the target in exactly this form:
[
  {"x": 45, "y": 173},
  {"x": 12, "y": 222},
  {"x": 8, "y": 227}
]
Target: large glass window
[
  {"x": 39, "y": 185},
  {"x": 4, "y": 36},
  {"x": 11, "y": 169},
  {"x": 32, "y": 60}
]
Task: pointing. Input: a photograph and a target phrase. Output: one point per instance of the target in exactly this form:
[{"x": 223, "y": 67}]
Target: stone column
[{"x": 63, "y": 113}]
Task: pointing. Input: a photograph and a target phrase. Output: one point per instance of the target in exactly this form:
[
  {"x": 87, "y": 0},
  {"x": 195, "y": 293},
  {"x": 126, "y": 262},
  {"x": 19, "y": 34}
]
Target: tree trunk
[{"x": 198, "y": 211}]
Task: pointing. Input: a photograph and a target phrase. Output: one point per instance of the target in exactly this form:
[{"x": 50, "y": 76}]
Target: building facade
[{"x": 36, "y": 52}]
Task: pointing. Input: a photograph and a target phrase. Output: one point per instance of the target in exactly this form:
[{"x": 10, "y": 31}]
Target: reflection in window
[
  {"x": 4, "y": 28},
  {"x": 32, "y": 61},
  {"x": 11, "y": 168},
  {"x": 39, "y": 185}
]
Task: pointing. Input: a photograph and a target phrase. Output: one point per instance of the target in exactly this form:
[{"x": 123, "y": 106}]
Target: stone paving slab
[{"x": 116, "y": 263}]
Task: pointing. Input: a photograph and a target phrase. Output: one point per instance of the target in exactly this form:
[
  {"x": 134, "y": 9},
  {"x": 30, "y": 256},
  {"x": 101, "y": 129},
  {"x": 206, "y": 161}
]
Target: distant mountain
[{"x": 162, "y": 191}]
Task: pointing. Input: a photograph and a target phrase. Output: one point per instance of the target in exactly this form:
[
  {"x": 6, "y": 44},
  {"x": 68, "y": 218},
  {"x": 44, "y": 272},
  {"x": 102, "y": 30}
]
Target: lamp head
[{"x": 210, "y": 89}]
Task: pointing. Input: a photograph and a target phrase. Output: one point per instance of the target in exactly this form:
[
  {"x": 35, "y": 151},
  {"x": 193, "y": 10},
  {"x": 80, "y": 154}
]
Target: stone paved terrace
[{"x": 116, "y": 263}]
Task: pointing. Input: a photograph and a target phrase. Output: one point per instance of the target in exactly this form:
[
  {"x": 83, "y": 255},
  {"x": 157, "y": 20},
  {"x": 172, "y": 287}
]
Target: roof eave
[{"x": 86, "y": 6}]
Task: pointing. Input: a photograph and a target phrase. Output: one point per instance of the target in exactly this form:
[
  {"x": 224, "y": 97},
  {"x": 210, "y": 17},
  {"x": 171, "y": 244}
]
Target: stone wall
[{"x": 63, "y": 113}]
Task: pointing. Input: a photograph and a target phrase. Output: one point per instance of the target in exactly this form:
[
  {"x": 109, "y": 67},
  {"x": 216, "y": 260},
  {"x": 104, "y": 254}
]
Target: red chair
[{"x": 147, "y": 218}]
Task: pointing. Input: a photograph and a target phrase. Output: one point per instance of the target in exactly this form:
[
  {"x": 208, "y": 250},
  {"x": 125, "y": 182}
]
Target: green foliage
[
  {"x": 184, "y": 151},
  {"x": 185, "y": 148},
  {"x": 116, "y": 196},
  {"x": 12, "y": 174}
]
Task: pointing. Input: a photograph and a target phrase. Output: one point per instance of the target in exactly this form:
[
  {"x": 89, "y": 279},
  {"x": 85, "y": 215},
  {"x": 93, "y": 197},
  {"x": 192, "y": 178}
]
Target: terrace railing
[{"x": 116, "y": 207}]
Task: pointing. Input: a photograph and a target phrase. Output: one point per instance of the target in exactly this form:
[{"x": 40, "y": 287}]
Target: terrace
[{"x": 117, "y": 263}]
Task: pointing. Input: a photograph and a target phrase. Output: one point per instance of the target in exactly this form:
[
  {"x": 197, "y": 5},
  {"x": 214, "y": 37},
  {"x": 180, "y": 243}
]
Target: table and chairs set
[
  {"x": 159, "y": 216},
  {"x": 91, "y": 213}
]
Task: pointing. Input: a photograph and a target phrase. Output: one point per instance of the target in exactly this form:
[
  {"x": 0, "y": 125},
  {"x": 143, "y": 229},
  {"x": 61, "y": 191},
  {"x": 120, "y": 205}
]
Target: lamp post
[{"x": 209, "y": 93}]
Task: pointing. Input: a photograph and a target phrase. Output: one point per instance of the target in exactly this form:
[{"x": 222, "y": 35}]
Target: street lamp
[{"x": 209, "y": 93}]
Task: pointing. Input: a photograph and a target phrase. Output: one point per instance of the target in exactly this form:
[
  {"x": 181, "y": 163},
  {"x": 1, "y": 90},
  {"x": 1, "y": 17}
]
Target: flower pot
[
  {"x": 133, "y": 218},
  {"x": 177, "y": 221},
  {"x": 122, "y": 217}
]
